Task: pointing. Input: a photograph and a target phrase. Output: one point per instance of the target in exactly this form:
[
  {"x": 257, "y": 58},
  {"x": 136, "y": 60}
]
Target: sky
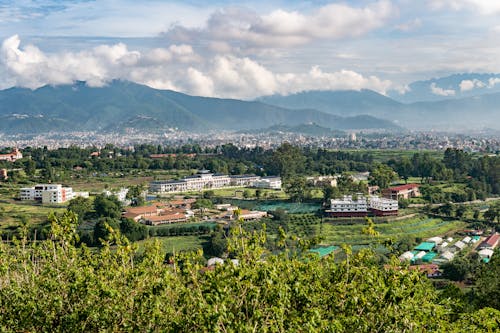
[{"x": 246, "y": 49}]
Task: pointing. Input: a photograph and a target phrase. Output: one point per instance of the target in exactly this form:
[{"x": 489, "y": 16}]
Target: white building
[
  {"x": 121, "y": 195},
  {"x": 206, "y": 180},
  {"x": 47, "y": 193},
  {"x": 349, "y": 206},
  {"x": 273, "y": 183},
  {"x": 383, "y": 206}
]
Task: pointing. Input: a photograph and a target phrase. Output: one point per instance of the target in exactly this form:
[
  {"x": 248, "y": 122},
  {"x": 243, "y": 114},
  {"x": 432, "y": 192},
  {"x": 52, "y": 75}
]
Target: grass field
[
  {"x": 175, "y": 244},
  {"x": 12, "y": 213},
  {"x": 414, "y": 227}
]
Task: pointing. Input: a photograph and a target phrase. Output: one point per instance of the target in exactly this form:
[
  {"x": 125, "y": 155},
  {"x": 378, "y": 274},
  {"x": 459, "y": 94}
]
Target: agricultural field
[
  {"x": 174, "y": 244},
  {"x": 13, "y": 214},
  {"x": 418, "y": 227}
]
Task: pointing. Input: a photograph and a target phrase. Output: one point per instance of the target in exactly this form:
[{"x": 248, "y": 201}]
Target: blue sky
[{"x": 246, "y": 49}]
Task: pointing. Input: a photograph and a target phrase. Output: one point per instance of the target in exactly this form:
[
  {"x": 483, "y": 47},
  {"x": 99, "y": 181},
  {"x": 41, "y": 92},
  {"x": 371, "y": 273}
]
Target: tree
[
  {"x": 297, "y": 189},
  {"x": 107, "y": 206},
  {"x": 493, "y": 213},
  {"x": 132, "y": 230},
  {"x": 104, "y": 227},
  {"x": 461, "y": 211},
  {"x": 287, "y": 160},
  {"x": 80, "y": 206},
  {"x": 447, "y": 209},
  {"x": 382, "y": 176}
]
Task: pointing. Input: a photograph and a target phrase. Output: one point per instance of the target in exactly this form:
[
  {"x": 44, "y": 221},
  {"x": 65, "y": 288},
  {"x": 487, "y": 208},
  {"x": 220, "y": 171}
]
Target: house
[
  {"x": 47, "y": 193},
  {"x": 491, "y": 242},
  {"x": 382, "y": 206},
  {"x": 156, "y": 214},
  {"x": 248, "y": 215},
  {"x": 167, "y": 217},
  {"x": 14, "y": 155},
  {"x": 402, "y": 192}
]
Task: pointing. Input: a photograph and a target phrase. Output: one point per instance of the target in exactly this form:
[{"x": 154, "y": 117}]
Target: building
[
  {"x": 491, "y": 242},
  {"x": 247, "y": 215},
  {"x": 350, "y": 206},
  {"x": 322, "y": 180},
  {"x": 383, "y": 206},
  {"x": 47, "y": 193},
  {"x": 244, "y": 180},
  {"x": 206, "y": 180},
  {"x": 402, "y": 192},
  {"x": 157, "y": 213},
  {"x": 12, "y": 156},
  {"x": 121, "y": 195},
  {"x": 273, "y": 183}
]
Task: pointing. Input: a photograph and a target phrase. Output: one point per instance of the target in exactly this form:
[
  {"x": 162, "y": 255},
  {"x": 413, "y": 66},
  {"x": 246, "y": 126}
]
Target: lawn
[
  {"x": 175, "y": 244},
  {"x": 12, "y": 213}
]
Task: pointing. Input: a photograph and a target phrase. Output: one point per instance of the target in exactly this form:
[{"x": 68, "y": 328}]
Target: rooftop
[{"x": 425, "y": 246}]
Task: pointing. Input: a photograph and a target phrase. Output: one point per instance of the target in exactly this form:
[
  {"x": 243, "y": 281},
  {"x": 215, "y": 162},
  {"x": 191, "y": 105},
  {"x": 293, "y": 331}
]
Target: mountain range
[{"x": 123, "y": 105}]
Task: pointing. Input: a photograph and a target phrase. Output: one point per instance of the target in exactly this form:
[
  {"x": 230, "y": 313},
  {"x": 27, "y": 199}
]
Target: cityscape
[{"x": 264, "y": 166}]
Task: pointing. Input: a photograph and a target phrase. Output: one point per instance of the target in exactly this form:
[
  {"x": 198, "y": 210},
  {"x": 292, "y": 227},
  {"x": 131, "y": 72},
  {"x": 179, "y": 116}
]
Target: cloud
[
  {"x": 409, "y": 26},
  {"x": 484, "y": 7},
  {"x": 493, "y": 81},
  {"x": 176, "y": 67},
  {"x": 466, "y": 85},
  {"x": 440, "y": 91},
  {"x": 242, "y": 27}
]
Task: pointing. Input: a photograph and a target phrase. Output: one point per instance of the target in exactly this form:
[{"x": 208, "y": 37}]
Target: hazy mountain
[
  {"x": 344, "y": 102},
  {"x": 122, "y": 105},
  {"x": 460, "y": 114},
  {"x": 449, "y": 87}
]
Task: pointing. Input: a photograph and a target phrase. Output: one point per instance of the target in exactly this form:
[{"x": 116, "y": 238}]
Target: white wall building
[
  {"x": 206, "y": 180},
  {"x": 273, "y": 183},
  {"x": 349, "y": 206},
  {"x": 47, "y": 193}
]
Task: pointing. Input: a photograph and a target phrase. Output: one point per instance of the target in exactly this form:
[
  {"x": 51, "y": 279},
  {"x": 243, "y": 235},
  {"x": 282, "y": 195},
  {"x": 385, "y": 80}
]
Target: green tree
[
  {"x": 104, "y": 228},
  {"x": 107, "y": 206},
  {"x": 382, "y": 176},
  {"x": 80, "y": 206},
  {"x": 297, "y": 189}
]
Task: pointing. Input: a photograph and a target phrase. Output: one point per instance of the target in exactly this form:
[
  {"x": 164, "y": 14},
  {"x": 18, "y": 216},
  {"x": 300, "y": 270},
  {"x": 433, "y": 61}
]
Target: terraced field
[{"x": 415, "y": 227}]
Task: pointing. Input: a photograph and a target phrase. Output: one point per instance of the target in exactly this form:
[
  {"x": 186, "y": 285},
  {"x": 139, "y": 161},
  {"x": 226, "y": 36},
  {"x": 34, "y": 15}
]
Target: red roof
[
  {"x": 403, "y": 187},
  {"x": 492, "y": 240}
]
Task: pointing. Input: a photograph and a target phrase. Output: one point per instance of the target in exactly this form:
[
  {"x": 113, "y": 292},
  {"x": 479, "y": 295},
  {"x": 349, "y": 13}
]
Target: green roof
[
  {"x": 425, "y": 246},
  {"x": 429, "y": 256},
  {"x": 324, "y": 250}
]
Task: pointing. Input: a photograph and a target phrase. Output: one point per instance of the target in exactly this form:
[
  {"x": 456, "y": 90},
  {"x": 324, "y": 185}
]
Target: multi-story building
[
  {"x": 348, "y": 206},
  {"x": 383, "y": 206},
  {"x": 359, "y": 205},
  {"x": 273, "y": 183},
  {"x": 47, "y": 193},
  {"x": 206, "y": 180},
  {"x": 12, "y": 156}
]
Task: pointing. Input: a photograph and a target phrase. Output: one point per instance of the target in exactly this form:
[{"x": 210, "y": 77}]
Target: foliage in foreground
[{"x": 52, "y": 286}]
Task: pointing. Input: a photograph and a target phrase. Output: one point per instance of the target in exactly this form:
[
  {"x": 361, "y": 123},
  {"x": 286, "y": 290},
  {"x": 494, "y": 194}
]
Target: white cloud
[
  {"x": 493, "y": 81},
  {"x": 484, "y": 7},
  {"x": 440, "y": 91},
  {"x": 409, "y": 26},
  {"x": 176, "y": 67},
  {"x": 466, "y": 85},
  {"x": 280, "y": 28}
]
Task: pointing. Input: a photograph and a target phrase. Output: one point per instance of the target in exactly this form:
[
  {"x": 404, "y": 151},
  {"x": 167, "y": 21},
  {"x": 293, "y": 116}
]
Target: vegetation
[{"x": 118, "y": 289}]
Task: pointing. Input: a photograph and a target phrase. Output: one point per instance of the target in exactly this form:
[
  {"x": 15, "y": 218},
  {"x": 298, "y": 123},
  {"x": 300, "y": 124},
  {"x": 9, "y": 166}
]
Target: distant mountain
[
  {"x": 344, "y": 102},
  {"x": 306, "y": 129},
  {"x": 457, "y": 114},
  {"x": 122, "y": 105},
  {"x": 449, "y": 87}
]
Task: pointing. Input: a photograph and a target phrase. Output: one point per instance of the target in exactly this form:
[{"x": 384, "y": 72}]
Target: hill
[
  {"x": 457, "y": 114},
  {"x": 121, "y": 105}
]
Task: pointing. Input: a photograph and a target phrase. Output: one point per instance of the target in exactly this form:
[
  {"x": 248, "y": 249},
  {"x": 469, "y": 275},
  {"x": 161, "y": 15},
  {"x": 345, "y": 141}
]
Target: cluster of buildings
[
  {"x": 175, "y": 211},
  {"x": 49, "y": 193},
  {"x": 14, "y": 155},
  {"x": 360, "y": 205},
  {"x": 437, "y": 250},
  {"x": 204, "y": 179},
  {"x": 406, "y": 191}
]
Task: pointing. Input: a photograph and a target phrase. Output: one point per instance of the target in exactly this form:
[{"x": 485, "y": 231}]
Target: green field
[
  {"x": 175, "y": 244},
  {"x": 12, "y": 213},
  {"x": 414, "y": 227}
]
